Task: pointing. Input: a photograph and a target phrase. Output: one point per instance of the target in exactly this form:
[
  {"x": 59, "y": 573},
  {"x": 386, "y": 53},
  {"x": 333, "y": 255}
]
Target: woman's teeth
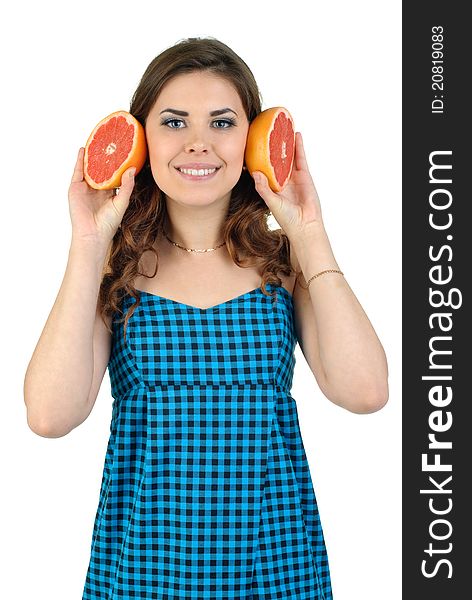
[{"x": 197, "y": 172}]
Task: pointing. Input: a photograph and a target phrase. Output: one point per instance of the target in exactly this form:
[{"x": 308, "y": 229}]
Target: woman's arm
[
  {"x": 343, "y": 350},
  {"x": 64, "y": 374},
  {"x": 337, "y": 338},
  {"x": 59, "y": 376}
]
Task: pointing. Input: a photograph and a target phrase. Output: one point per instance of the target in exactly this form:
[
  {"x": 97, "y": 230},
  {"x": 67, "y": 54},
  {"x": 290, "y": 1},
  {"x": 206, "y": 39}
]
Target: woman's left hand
[{"x": 297, "y": 207}]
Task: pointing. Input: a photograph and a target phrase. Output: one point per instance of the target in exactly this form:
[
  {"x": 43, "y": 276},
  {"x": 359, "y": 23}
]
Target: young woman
[{"x": 178, "y": 285}]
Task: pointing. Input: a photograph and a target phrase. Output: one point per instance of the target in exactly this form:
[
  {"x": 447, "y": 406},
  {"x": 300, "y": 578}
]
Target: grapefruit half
[
  {"x": 117, "y": 143},
  {"x": 270, "y": 146}
]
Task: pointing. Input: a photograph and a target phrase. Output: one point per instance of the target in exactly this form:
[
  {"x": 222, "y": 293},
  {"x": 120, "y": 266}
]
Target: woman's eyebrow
[{"x": 213, "y": 113}]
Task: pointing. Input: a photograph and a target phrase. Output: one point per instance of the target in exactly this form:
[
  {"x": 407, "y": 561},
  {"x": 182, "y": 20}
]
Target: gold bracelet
[{"x": 317, "y": 275}]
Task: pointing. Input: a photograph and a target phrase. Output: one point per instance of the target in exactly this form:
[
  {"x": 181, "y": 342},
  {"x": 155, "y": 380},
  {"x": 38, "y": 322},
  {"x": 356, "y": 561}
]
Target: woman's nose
[
  {"x": 195, "y": 147},
  {"x": 196, "y": 143}
]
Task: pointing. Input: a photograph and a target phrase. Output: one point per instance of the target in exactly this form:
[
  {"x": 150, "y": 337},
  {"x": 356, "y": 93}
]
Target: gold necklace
[{"x": 193, "y": 249}]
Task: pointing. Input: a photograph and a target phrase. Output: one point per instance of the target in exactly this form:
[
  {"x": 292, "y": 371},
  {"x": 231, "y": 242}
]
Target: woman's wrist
[
  {"x": 95, "y": 248},
  {"x": 314, "y": 252}
]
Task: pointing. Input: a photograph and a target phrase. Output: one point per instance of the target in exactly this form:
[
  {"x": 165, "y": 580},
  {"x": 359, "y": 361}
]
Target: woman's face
[{"x": 197, "y": 122}]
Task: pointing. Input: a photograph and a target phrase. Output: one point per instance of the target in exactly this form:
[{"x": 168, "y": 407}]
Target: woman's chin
[{"x": 196, "y": 198}]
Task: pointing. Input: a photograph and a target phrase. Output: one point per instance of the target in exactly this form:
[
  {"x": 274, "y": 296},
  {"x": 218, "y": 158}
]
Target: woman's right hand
[{"x": 97, "y": 214}]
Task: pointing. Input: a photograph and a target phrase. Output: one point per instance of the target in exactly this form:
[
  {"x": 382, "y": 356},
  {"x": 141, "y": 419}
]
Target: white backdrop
[{"x": 338, "y": 70}]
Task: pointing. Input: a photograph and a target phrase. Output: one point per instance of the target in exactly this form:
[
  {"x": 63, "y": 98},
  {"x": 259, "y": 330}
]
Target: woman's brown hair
[{"x": 246, "y": 231}]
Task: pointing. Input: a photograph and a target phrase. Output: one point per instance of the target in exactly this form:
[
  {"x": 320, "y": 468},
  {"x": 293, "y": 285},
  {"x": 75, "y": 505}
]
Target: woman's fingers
[
  {"x": 78, "y": 174},
  {"x": 300, "y": 158},
  {"x": 262, "y": 186},
  {"x": 123, "y": 193}
]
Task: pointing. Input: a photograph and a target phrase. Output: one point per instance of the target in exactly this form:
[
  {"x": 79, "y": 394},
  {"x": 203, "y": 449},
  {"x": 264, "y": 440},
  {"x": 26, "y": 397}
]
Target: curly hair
[{"x": 246, "y": 231}]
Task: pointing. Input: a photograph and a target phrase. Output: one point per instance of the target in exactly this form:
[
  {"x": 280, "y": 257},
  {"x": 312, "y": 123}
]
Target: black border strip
[{"x": 437, "y": 357}]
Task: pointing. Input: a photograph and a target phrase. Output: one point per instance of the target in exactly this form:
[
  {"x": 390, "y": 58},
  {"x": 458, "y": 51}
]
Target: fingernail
[{"x": 132, "y": 172}]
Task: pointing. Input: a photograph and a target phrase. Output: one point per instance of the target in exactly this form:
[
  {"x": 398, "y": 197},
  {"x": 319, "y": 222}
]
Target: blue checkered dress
[{"x": 206, "y": 491}]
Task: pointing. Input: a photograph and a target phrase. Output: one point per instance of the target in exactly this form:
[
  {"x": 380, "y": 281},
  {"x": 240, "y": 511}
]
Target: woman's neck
[{"x": 198, "y": 227}]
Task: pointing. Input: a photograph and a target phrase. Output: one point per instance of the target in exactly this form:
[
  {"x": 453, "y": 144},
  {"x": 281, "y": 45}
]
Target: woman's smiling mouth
[{"x": 202, "y": 174}]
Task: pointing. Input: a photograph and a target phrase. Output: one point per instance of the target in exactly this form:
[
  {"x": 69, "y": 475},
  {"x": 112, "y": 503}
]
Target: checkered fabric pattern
[{"x": 206, "y": 491}]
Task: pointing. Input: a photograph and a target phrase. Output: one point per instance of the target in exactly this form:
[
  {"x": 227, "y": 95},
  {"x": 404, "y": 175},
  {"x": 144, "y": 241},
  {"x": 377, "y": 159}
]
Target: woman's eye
[
  {"x": 226, "y": 122},
  {"x": 172, "y": 121}
]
